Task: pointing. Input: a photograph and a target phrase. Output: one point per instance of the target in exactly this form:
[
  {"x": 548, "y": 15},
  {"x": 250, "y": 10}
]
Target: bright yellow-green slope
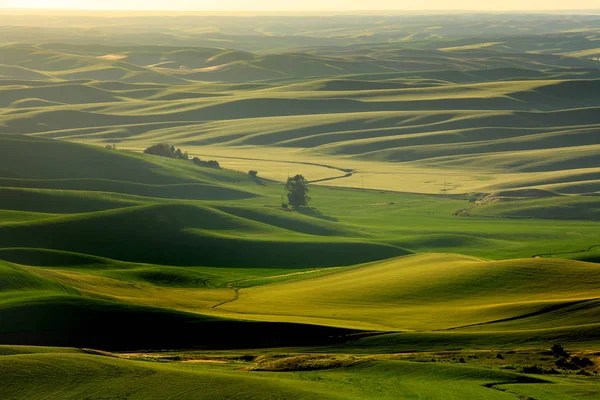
[{"x": 433, "y": 292}]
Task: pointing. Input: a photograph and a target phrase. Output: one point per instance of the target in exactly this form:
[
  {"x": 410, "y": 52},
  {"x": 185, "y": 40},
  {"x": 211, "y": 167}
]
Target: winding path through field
[{"x": 347, "y": 172}]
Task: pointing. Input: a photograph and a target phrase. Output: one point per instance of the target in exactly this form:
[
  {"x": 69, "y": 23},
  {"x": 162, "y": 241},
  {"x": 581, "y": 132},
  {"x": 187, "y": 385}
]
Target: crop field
[{"x": 449, "y": 248}]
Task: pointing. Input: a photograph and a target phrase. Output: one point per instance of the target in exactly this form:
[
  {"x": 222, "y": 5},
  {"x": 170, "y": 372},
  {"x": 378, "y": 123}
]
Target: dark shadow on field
[
  {"x": 313, "y": 212},
  {"x": 79, "y": 322}
]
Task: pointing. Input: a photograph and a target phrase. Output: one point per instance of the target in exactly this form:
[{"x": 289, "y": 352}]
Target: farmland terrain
[{"x": 451, "y": 242}]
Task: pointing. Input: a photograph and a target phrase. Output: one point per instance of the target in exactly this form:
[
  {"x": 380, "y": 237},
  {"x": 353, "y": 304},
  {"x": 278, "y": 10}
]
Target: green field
[{"x": 452, "y": 236}]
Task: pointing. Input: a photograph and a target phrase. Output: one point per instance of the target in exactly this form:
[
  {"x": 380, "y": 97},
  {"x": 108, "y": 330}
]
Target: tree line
[{"x": 168, "y": 151}]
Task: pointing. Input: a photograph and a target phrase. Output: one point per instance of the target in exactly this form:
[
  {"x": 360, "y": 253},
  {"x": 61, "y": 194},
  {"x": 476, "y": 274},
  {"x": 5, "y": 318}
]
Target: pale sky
[{"x": 306, "y": 5}]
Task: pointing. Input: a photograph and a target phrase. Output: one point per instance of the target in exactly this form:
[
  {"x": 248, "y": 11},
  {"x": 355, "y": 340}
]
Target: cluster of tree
[
  {"x": 564, "y": 361},
  {"x": 164, "y": 150},
  {"x": 208, "y": 164},
  {"x": 567, "y": 361},
  {"x": 297, "y": 188}
]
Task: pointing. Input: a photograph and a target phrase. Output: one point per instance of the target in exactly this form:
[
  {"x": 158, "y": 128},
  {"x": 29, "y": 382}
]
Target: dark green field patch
[{"x": 82, "y": 322}]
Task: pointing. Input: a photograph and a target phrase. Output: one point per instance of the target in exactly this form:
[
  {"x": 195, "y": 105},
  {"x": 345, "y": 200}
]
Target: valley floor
[{"x": 66, "y": 373}]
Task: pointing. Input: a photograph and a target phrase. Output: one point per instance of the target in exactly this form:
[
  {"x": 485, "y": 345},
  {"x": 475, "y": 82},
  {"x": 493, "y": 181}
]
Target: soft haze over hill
[{"x": 311, "y": 5}]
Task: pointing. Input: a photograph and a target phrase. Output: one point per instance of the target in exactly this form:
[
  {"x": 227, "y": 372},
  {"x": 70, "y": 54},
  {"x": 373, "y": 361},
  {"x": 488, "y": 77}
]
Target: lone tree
[{"x": 297, "y": 188}]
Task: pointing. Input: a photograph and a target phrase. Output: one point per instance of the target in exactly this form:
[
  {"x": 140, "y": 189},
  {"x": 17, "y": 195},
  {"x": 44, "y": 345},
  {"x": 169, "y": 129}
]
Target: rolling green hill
[
  {"x": 465, "y": 115},
  {"x": 105, "y": 220},
  {"x": 137, "y": 379},
  {"x": 435, "y": 292},
  {"x": 451, "y": 242}
]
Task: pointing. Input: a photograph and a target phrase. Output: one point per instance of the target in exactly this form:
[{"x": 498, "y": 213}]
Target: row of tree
[{"x": 165, "y": 150}]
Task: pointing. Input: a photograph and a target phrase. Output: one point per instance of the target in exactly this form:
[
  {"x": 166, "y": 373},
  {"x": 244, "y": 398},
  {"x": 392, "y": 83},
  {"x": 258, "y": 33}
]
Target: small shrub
[
  {"x": 582, "y": 362},
  {"x": 587, "y": 361},
  {"x": 532, "y": 370},
  {"x": 284, "y": 205},
  {"x": 583, "y": 372},
  {"x": 171, "y": 358},
  {"x": 559, "y": 351},
  {"x": 500, "y": 356},
  {"x": 563, "y": 363},
  {"x": 253, "y": 174},
  {"x": 307, "y": 363}
]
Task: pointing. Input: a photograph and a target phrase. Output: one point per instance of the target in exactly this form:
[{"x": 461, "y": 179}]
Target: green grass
[
  {"x": 83, "y": 375},
  {"x": 56, "y": 202},
  {"x": 17, "y": 279}
]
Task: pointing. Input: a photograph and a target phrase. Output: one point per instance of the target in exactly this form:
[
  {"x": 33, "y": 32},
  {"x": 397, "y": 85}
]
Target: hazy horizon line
[{"x": 282, "y": 11}]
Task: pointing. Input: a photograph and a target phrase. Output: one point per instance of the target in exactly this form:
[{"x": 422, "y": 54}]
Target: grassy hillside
[
  {"x": 435, "y": 292},
  {"x": 192, "y": 237},
  {"x": 16, "y": 279},
  {"x": 188, "y": 380},
  {"x": 436, "y": 301},
  {"x": 102, "y": 221},
  {"x": 60, "y": 196}
]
